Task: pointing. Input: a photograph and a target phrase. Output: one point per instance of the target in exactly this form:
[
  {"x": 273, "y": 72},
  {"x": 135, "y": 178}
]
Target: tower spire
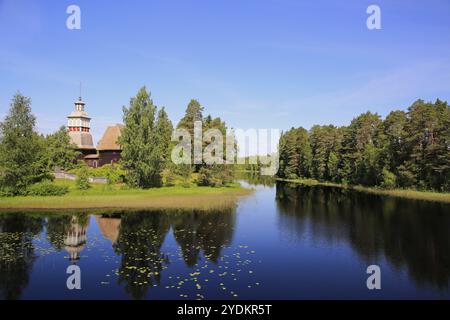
[{"x": 79, "y": 126}]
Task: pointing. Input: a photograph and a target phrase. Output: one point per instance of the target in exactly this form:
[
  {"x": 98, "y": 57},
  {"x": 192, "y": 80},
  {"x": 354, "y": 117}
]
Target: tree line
[{"x": 407, "y": 149}]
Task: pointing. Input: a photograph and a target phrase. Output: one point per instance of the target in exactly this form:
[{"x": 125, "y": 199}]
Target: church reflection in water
[
  {"x": 136, "y": 237},
  {"x": 144, "y": 248},
  {"x": 76, "y": 238}
]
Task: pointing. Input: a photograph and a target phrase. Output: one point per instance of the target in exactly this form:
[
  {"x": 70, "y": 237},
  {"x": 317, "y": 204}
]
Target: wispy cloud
[
  {"x": 404, "y": 84},
  {"x": 36, "y": 69}
]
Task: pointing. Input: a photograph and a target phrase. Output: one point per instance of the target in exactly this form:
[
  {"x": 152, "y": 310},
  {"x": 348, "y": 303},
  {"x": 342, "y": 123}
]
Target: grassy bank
[
  {"x": 101, "y": 196},
  {"x": 401, "y": 193}
]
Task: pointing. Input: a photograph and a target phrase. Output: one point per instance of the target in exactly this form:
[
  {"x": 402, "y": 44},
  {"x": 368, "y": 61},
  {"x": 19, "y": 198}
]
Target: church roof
[
  {"x": 110, "y": 138},
  {"x": 78, "y": 114},
  {"x": 83, "y": 140}
]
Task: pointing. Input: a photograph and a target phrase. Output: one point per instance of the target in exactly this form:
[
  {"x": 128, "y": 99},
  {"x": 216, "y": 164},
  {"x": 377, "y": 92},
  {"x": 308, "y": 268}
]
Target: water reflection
[
  {"x": 136, "y": 237},
  {"x": 16, "y": 252},
  {"x": 68, "y": 232},
  {"x": 411, "y": 234},
  {"x": 196, "y": 232},
  {"x": 141, "y": 235},
  {"x": 109, "y": 227},
  {"x": 76, "y": 238},
  {"x": 255, "y": 179},
  {"x": 139, "y": 242},
  {"x": 270, "y": 249}
]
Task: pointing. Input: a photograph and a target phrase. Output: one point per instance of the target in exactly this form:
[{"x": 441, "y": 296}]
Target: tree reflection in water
[
  {"x": 16, "y": 252},
  {"x": 197, "y": 246},
  {"x": 141, "y": 236},
  {"x": 410, "y": 234},
  {"x": 208, "y": 231},
  {"x": 137, "y": 237}
]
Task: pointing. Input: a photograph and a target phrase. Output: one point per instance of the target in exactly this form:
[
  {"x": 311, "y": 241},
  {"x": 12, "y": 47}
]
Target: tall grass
[{"x": 120, "y": 196}]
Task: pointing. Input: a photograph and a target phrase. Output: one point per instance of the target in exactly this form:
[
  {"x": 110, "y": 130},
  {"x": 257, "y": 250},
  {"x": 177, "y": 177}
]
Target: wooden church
[{"x": 107, "y": 151}]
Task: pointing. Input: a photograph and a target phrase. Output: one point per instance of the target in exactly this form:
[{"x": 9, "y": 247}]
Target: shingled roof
[
  {"x": 110, "y": 138},
  {"x": 83, "y": 140}
]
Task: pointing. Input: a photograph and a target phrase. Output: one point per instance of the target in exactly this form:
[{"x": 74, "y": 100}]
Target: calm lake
[{"x": 281, "y": 242}]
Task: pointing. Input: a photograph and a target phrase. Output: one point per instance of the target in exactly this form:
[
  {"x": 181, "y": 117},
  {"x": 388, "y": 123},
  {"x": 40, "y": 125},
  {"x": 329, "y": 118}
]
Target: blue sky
[{"x": 256, "y": 63}]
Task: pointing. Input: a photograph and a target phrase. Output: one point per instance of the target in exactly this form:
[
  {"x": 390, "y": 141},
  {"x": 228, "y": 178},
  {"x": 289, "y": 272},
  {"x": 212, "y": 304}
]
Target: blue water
[{"x": 281, "y": 242}]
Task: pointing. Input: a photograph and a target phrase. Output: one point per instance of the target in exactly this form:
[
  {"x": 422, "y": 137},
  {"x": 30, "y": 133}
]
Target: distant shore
[
  {"x": 99, "y": 197},
  {"x": 399, "y": 193}
]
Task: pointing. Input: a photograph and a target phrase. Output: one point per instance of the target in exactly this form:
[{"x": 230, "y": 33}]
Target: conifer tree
[
  {"x": 163, "y": 135},
  {"x": 407, "y": 149}
]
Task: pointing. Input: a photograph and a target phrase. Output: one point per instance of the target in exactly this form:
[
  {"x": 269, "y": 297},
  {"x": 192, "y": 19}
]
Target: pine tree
[
  {"x": 193, "y": 113},
  {"x": 304, "y": 152},
  {"x": 408, "y": 149},
  {"x": 360, "y": 149},
  {"x": 292, "y": 158},
  {"x": 163, "y": 136},
  {"x": 221, "y": 173},
  {"x": 427, "y": 145},
  {"x": 295, "y": 154},
  {"x": 324, "y": 141},
  {"x": 394, "y": 130},
  {"x": 282, "y": 153},
  {"x": 333, "y": 167}
]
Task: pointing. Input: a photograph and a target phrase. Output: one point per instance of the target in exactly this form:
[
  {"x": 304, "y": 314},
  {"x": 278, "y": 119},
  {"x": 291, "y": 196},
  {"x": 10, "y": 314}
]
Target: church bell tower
[{"x": 78, "y": 125}]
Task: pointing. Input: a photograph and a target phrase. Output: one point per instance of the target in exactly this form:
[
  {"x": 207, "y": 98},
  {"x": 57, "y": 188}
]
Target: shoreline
[
  {"x": 398, "y": 193},
  {"x": 133, "y": 199}
]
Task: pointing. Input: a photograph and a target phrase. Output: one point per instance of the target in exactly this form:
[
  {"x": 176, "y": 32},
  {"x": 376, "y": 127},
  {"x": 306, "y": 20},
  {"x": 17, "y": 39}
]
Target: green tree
[
  {"x": 193, "y": 113},
  {"x": 60, "y": 151},
  {"x": 333, "y": 167},
  {"x": 304, "y": 151},
  {"x": 427, "y": 145},
  {"x": 205, "y": 177},
  {"x": 388, "y": 180},
  {"x": 185, "y": 172},
  {"x": 82, "y": 181},
  {"x": 209, "y": 174},
  {"x": 163, "y": 137},
  {"x": 221, "y": 173},
  {"x": 360, "y": 150},
  {"x": 110, "y": 177},
  {"x": 407, "y": 149},
  {"x": 324, "y": 141},
  {"x": 21, "y": 149},
  {"x": 394, "y": 129},
  {"x": 437, "y": 151},
  {"x": 295, "y": 154},
  {"x": 141, "y": 154}
]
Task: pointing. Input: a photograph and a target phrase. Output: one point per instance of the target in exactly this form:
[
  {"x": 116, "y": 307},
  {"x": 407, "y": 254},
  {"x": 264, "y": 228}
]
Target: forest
[{"x": 408, "y": 149}]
